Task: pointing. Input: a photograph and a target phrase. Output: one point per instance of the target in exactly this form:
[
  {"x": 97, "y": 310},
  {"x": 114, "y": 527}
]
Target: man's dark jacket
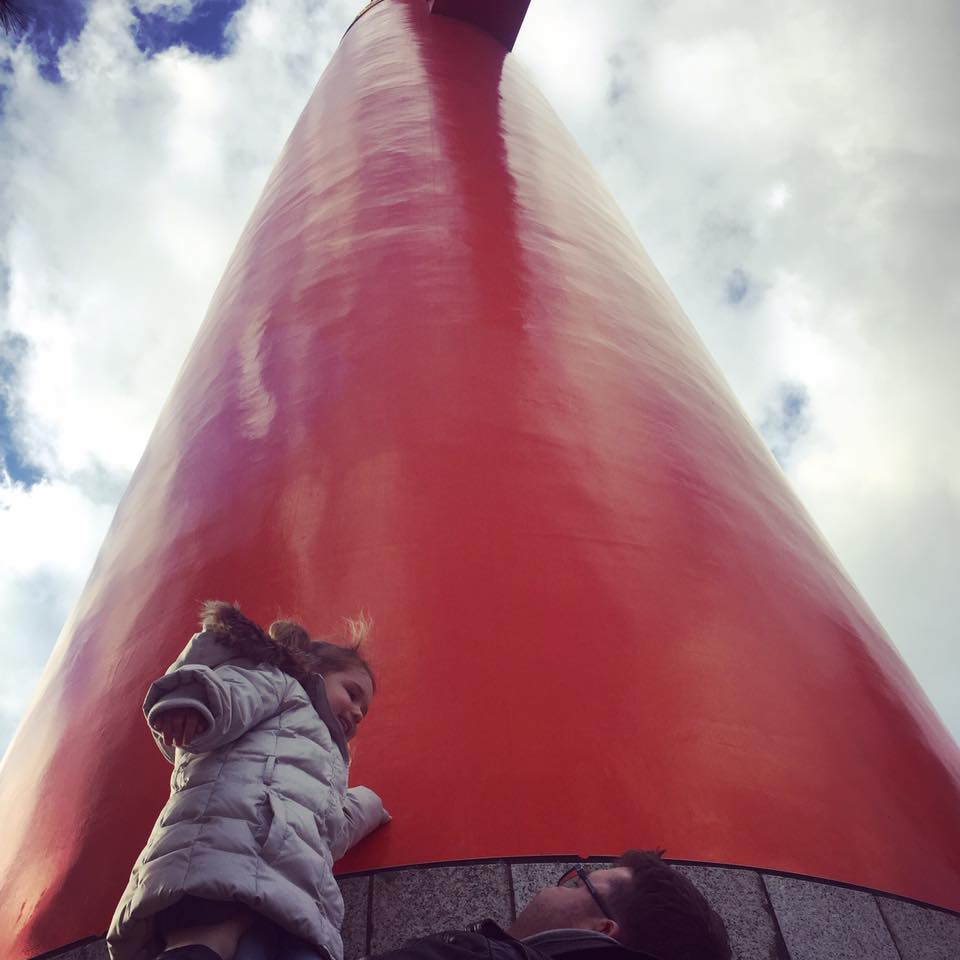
[{"x": 486, "y": 941}]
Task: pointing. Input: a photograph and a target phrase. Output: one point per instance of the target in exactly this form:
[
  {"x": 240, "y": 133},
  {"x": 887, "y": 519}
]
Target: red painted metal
[
  {"x": 440, "y": 380},
  {"x": 499, "y": 18}
]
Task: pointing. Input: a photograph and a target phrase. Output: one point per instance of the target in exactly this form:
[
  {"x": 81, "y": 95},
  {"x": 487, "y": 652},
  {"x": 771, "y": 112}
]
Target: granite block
[
  {"x": 91, "y": 950},
  {"x": 824, "y": 922},
  {"x": 528, "y": 878},
  {"x": 921, "y": 933},
  {"x": 424, "y": 900},
  {"x": 356, "y": 899},
  {"x": 741, "y": 900}
]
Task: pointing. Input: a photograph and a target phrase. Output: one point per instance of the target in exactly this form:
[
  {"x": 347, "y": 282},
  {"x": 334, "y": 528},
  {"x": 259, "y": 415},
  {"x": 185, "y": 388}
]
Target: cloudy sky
[{"x": 793, "y": 168}]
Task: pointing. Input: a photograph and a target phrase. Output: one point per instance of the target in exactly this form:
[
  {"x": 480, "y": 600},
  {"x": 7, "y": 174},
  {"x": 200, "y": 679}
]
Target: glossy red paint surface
[{"x": 441, "y": 381}]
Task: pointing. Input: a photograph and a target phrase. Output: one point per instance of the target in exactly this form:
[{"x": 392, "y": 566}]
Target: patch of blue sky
[
  {"x": 15, "y": 465},
  {"x": 51, "y": 24},
  {"x": 787, "y": 420},
  {"x": 203, "y": 31},
  {"x": 6, "y": 72},
  {"x": 737, "y": 286}
]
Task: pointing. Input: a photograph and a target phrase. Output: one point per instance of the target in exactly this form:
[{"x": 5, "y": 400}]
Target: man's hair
[{"x": 661, "y": 912}]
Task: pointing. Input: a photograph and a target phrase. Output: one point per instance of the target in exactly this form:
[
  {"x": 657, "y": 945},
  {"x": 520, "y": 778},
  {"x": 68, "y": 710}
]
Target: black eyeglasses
[{"x": 577, "y": 873}]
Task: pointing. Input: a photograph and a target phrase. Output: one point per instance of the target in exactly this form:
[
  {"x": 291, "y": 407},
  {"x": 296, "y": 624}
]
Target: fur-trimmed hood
[{"x": 289, "y": 650}]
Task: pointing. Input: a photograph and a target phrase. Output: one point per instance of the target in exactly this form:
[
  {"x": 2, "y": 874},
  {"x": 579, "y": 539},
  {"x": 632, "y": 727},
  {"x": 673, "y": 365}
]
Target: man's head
[{"x": 640, "y": 901}]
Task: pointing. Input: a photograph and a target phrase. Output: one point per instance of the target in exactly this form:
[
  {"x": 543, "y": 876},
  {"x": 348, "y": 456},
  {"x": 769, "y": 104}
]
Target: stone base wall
[{"x": 768, "y": 917}]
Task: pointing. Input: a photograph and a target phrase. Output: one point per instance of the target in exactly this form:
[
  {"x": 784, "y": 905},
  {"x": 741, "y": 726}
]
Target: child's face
[{"x": 349, "y": 693}]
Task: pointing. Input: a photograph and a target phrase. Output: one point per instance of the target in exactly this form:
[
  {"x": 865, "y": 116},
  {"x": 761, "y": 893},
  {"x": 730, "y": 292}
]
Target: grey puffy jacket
[{"x": 259, "y": 807}]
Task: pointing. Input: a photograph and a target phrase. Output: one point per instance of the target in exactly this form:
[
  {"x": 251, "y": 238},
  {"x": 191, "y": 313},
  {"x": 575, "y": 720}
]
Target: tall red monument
[{"x": 441, "y": 381}]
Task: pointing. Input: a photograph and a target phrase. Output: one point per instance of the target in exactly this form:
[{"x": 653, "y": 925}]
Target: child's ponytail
[{"x": 289, "y": 634}]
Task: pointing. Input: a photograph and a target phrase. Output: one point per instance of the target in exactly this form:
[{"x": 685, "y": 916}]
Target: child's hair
[{"x": 286, "y": 644}]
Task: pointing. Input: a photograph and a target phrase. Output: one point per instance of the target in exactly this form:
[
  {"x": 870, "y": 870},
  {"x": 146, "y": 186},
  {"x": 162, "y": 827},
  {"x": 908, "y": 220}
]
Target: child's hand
[{"x": 179, "y": 726}]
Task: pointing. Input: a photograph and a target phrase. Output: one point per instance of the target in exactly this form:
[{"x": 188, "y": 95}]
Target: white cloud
[
  {"x": 176, "y": 10},
  {"x": 50, "y": 534}
]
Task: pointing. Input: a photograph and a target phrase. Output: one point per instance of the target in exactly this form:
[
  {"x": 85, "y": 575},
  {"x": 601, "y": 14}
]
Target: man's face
[{"x": 555, "y": 908}]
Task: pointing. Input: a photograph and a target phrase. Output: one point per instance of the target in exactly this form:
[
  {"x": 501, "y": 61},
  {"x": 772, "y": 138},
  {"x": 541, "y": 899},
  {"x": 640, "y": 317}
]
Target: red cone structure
[{"x": 441, "y": 381}]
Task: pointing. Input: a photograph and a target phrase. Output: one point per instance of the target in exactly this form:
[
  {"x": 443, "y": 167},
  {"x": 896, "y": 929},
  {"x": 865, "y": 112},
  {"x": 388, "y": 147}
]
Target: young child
[{"x": 256, "y": 725}]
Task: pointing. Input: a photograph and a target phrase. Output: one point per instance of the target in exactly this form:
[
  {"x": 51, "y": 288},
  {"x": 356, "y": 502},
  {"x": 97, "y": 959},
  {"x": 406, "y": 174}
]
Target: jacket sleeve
[
  {"x": 231, "y": 699},
  {"x": 363, "y": 812}
]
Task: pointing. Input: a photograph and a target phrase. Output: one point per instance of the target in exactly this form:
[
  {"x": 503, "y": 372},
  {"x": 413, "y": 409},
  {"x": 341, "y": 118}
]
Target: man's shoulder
[
  {"x": 488, "y": 940},
  {"x": 560, "y": 944},
  {"x": 574, "y": 944}
]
